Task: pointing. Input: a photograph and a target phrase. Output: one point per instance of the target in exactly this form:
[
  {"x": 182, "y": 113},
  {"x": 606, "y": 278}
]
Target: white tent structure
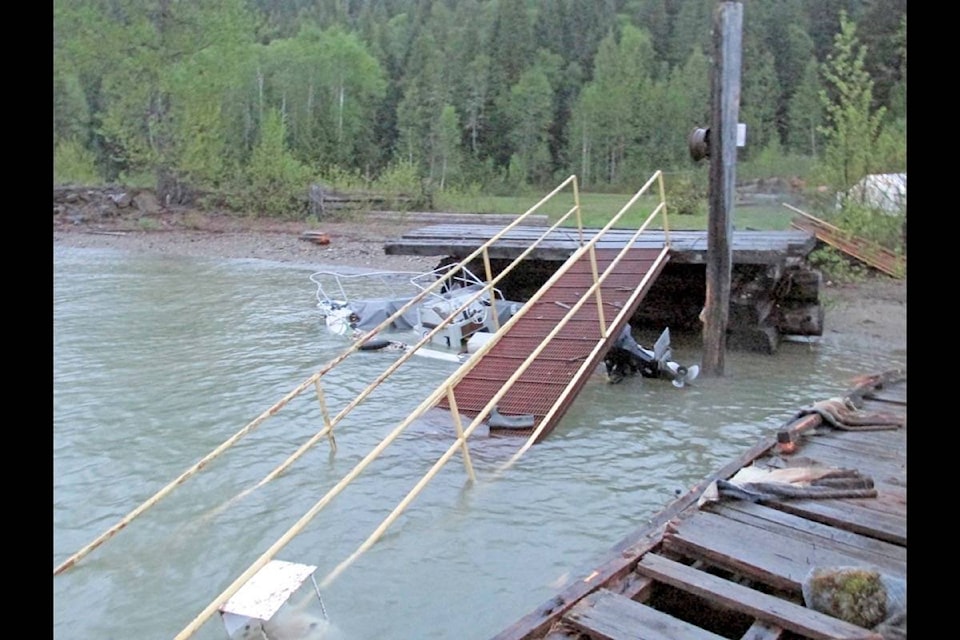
[{"x": 886, "y": 192}]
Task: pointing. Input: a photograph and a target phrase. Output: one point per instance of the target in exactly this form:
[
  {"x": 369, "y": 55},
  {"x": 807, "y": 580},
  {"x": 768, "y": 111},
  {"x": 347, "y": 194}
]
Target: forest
[{"x": 247, "y": 103}]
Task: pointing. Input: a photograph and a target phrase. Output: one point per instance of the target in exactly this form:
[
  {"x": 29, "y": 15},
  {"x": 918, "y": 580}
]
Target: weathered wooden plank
[
  {"x": 781, "y": 558},
  {"x": 749, "y": 247},
  {"x": 879, "y": 444},
  {"x": 848, "y": 516},
  {"x": 608, "y": 616},
  {"x": 892, "y": 396},
  {"x": 760, "y": 630},
  {"x": 884, "y": 470},
  {"x": 764, "y": 555},
  {"x": 773, "y": 610},
  {"x": 789, "y": 524},
  {"x": 633, "y": 586}
]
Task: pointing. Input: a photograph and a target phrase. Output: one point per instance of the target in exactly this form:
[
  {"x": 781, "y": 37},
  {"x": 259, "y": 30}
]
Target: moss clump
[{"x": 855, "y": 595}]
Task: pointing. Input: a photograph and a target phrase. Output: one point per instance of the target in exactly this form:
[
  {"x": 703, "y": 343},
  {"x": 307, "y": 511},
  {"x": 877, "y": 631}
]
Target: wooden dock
[
  {"x": 460, "y": 239},
  {"x": 774, "y": 291},
  {"x": 730, "y": 559}
]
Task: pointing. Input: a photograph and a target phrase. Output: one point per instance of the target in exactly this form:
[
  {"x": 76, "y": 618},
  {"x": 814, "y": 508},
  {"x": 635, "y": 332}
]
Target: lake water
[{"x": 158, "y": 360}]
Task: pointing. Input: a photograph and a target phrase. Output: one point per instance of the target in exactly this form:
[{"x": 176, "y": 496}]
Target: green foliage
[
  {"x": 852, "y": 124},
  {"x": 805, "y": 113},
  {"x": 871, "y": 224},
  {"x": 773, "y": 162},
  {"x": 341, "y": 179},
  {"x": 71, "y": 114},
  {"x": 145, "y": 223},
  {"x": 760, "y": 92},
  {"x": 890, "y": 155},
  {"x": 685, "y": 197},
  {"x": 836, "y": 266},
  {"x": 276, "y": 183},
  {"x": 142, "y": 179},
  {"x": 73, "y": 164},
  {"x": 509, "y": 95},
  {"x": 400, "y": 178},
  {"x": 530, "y": 109},
  {"x": 403, "y": 187}
]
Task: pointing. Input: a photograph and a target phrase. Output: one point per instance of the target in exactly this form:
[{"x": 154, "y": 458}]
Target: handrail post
[
  {"x": 326, "y": 415},
  {"x": 493, "y": 293},
  {"x": 596, "y": 289},
  {"x": 460, "y": 437},
  {"x": 663, "y": 201},
  {"x": 576, "y": 203}
]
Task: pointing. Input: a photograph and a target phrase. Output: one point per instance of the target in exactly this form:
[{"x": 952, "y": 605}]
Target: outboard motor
[{"x": 626, "y": 357}]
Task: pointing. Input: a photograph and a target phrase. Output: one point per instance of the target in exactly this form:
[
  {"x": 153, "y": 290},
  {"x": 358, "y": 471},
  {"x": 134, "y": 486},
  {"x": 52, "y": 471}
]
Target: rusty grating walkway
[{"x": 556, "y": 374}]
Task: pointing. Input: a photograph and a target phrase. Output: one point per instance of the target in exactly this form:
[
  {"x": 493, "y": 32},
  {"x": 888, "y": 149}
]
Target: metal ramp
[{"x": 544, "y": 356}]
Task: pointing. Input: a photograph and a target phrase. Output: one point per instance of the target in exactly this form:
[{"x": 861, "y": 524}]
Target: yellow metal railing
[{"x": 445, "y": 390}]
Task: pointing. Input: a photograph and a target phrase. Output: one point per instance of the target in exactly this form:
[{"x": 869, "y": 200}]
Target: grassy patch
[
  {"x": 148, "y": 224},
  {"x": 597, "y": 209}
]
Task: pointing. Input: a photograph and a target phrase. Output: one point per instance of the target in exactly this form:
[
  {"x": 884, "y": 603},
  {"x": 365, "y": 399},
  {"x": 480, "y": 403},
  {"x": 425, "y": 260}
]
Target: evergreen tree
[
  {"x": 276, "y": 182},
  {"x": 692, "y": 29},
  {"x": 619, "y": 104},
  {"x": 419, "y": 115},
  {"x": 805, "y": 113},
  {"x": 683, "y": 102},
  {"x": 509, "y": 50},
  {"x": 852, "y": 124},
  {"x": 760, "y": 93},
  {"x": 448, "y": 140},
  {"x": 880, "y": 32},
  {"x": 531, "y": 114}
]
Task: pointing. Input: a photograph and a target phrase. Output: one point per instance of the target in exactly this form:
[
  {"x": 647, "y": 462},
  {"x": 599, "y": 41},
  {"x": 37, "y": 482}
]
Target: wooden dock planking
[
  {"x": 851, "y": 515},
  {"x": 748, "y": 247},
  {"x": 764, "y": 608},
  {"x": 610, "y": 616},
  {"x": 883, "y": 466},
  {"x": 767, "y": 555},
  {"x": 774, "y": 290},
  {"x": 744, "y": 558},
  {"x": 775, "y": 520}
]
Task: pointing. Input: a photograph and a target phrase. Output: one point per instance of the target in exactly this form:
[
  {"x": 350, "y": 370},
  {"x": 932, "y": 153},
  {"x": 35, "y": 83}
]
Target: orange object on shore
[{"x": 316, "y": 237}]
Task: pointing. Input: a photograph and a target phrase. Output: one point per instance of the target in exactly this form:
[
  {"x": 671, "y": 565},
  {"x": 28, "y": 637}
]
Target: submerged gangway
[
  {"x": 540, "y": 361},
  {"x": 602, "y": 283}
]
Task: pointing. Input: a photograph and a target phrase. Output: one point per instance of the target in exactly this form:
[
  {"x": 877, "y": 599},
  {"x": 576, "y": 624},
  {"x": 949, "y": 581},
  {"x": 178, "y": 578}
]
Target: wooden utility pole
[{"x": 725, "y": 101}]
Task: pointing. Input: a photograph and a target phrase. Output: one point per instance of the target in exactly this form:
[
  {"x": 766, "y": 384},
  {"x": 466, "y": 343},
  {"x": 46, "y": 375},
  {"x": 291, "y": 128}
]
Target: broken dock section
[{"x": 740, "y": 555}]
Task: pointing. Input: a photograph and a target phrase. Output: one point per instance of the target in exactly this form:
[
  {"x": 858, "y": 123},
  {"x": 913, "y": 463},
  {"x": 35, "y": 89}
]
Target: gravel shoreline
[{"x": 351, "y": 244}]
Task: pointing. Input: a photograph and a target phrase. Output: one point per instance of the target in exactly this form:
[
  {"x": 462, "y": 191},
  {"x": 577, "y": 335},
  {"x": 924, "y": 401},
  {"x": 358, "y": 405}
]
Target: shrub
[
  {"x": 276, "y": 182},
  {"x": 836, "y": 265},
  {"x": 684, "y": 197},
  {"x": 73, "y": 164},
  {"x": 872, "y": 224}
]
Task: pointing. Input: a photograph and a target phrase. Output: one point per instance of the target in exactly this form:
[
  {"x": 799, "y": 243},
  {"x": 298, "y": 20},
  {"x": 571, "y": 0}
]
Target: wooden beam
[
  {"x": 725, "y": 99},
  {"x": 772, "y": 610},
  {"x": 608, "y": 616}
]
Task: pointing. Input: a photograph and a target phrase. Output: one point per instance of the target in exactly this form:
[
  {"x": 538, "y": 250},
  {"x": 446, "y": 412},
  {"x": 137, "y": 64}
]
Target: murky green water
[{"x": 158, "y": 360}]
